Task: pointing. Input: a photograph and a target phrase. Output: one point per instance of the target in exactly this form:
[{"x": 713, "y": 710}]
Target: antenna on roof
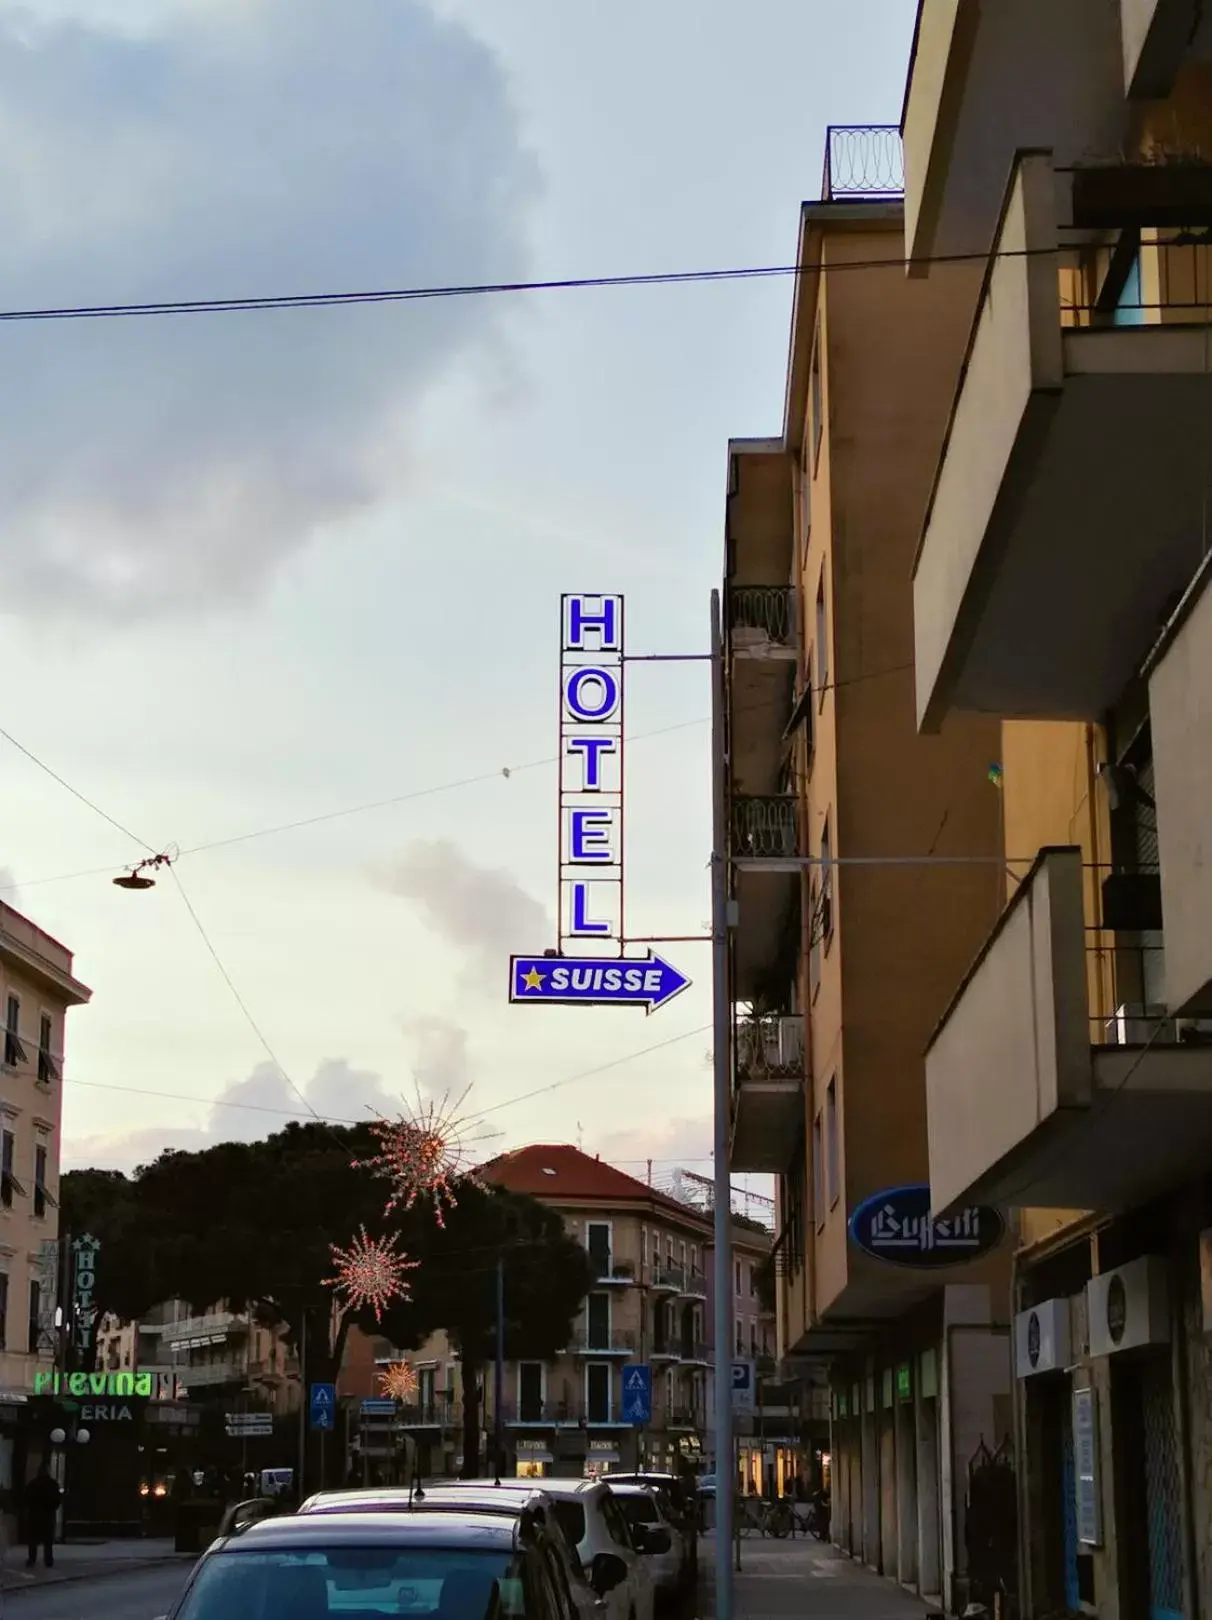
[{"x": 580, "y": 1137}]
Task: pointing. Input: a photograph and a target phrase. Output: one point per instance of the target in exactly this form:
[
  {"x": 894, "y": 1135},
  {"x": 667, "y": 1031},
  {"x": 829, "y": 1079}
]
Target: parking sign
[{"x": 742, "y": 1386}]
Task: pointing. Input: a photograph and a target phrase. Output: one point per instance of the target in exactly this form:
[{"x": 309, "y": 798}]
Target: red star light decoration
[
  {"x": 399, "y": 1381},
  {"x": 425, "y": 1154},
  {"x": 371, "y": 1272}
]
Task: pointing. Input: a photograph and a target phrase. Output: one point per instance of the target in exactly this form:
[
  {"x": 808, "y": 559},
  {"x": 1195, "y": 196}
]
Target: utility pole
[
  {"x": 725, "y": 1467},
  {"x": 303, "y": 1403},
  {"x": 498, "y": 1375}
]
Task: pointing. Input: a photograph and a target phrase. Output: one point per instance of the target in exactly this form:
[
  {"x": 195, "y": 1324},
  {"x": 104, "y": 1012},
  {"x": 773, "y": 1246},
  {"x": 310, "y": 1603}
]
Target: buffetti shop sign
[{"x": 896, "y": 1226}]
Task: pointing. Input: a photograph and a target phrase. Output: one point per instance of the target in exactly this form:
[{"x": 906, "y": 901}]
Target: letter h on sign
[{"x": 591, "y": 769}]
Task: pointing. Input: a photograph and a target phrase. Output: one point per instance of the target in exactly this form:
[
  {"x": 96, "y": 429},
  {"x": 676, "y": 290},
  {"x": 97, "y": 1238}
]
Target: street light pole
[{"x": 725, "y": 1467}]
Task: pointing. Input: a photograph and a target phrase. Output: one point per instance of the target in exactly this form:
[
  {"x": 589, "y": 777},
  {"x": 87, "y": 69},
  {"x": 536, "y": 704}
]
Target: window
[
  {"x": 831, "y": 1147},
  {"x": 598, "y": 1322},
  {"x": 822, "y": 641},
  {"x": 818, "y": 413},
  {"x": 3, "y": 1310},
  {"x": 8, "y": 1180},
  {"x": 35, "y": 1313},
  {"x": 1128, "y": 306},
  {"x": 753, "y": 1340},
  {"x": 752, "y": 1280},
  {"x": 818, "y": 1188},
  {"x": 530, "y": 1392},
  {"x": 805, "y": 503},
  {"x": 740, "y": 1337},
  {"x": 738, "y": 1278},
  {"x": 47, "y": 1068},
  {"x": 597, "y": 1241},
  {"x": 824, "y": 915},
  {"x": 41, "y": 1196},
  {"x": 14, "y": 1052},
  {"x": 597, "y": 1392}
]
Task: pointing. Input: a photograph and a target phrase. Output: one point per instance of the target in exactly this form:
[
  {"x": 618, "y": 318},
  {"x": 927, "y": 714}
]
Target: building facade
[
  {"x": 1060, "y": 586},
  {"x": 37, "y": 989},
  {"x": 650, "y": 1305},
  {"x": 865, "y": 869}
]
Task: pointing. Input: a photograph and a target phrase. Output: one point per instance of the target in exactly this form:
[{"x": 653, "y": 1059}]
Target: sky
[{"x": 265, "y": 568}]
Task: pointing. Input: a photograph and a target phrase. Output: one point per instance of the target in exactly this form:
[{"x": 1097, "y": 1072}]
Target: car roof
[
  {"x": 514, "y": 1503},
  {"x": 629, "y": 1487},
  {"x": 482, "y": 1531}
]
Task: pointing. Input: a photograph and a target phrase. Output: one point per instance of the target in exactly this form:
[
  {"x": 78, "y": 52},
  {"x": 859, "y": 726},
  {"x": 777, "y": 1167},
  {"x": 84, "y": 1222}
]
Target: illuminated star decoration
[
  {"x": 371, "y": 1272},
  {"x": 399, "y": 1381},
  {"x": 426, "y": 1154},
  {"x": 532, "y": 980}
]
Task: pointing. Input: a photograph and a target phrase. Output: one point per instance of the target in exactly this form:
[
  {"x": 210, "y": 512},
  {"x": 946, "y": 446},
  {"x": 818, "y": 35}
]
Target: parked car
[
  {"x": 593, "y": 1523},
  {"x": 650, "y": 1529},
  {"x": 678, "y": 1498},
  {"x": 440, "y": 1566},
  {"x": 570, "y": 1574}
]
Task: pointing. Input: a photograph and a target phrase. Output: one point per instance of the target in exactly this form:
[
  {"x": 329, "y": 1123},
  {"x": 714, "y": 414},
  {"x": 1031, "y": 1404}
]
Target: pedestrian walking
[{"x": 42, "y": 1498}]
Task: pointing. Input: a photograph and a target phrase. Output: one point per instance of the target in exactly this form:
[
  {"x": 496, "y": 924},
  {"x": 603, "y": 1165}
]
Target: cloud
[
  {"x": 484, "y": 912},
  {"x": 665, "y": 1141},
  {"x": 442, "y": 1069},
  {"x": 245, "y": 1111},
  {"x": 168, "y": 463}
]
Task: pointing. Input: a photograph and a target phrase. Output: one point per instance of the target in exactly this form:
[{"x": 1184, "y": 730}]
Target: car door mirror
[
  {"x": 657, "y": 1541},
  {"x": 606, "y": 1572}
]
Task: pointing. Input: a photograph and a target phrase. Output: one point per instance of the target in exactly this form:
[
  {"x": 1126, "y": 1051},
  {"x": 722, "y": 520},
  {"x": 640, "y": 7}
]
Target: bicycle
[
  {"x": 778, "y": 1520},
  {"x": 750, "y": 1516}
]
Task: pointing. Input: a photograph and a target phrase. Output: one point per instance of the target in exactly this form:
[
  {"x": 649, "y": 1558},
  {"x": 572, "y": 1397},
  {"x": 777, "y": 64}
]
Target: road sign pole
[{"x": 722, "y": 1023}]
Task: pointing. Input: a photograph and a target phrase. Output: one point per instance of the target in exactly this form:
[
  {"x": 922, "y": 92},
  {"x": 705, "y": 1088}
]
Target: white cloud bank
[{"x": 150, "y": 465}]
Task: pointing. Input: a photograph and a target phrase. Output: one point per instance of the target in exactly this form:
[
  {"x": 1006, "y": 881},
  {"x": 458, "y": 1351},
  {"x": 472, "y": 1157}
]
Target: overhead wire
[{"x": 397, "y": 295}]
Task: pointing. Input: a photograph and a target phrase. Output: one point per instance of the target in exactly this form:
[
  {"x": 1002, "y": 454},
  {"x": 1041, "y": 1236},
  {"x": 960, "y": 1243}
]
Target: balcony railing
[
  {"x": 231, "y": 1371},
  {"x": 610, "y": 1269},
  {"x": 695, "y": 1286},
  {"x": 693, "y": 1350},
  {"x": 437, "y": 1414},
  {"x": 684, "y": 1417},
  {"x": 770, "y": 1046},
  {"x": 863, "y": 160},
  {"x": 664, "y": 1349},
  {"x": 761, "y": 616},
  {"x": 666, "y": 1275},
  {"x": 602, "y": 1342},
  {"x": 765, "y": 826}
]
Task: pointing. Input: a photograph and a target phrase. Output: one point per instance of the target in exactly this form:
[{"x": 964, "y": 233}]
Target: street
[{"x": 143, "y": 1594}]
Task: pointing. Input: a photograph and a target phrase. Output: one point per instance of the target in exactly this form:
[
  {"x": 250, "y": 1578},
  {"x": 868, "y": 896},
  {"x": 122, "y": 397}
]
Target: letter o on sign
[{"x": 592, "y": 694}]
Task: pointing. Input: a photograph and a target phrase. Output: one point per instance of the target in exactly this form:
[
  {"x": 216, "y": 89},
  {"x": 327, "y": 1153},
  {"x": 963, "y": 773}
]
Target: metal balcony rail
[
  {"x": 863, "y": 160},
  {"x": 761, "y": 613},
  {"x": 694, "y": 1350},
  {"x": 611, "y": 1270},
  {"x": 607, "y": 1342},
  {"x": 437, "y": 1414},
  {"x": 541, "y": 1412},
  {"x": 684, "y": 1417},
  {"x": 766, "y": 825},
  {"x": 666, "y": 1275},
  {"x": 696, "y": 1283},
  {"x": 1132, "y": 1013},
  {"x": 770, "y": 1046}
]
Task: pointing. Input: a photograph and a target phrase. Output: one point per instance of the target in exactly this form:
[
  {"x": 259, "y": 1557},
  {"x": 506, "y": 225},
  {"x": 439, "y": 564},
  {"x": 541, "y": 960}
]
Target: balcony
[
  {"x": 863, "y": 162},
  {"x": 667, "y": 1278},
  {"x": 684, "y": 1417},
  {"x": 195, "y": 1332},
  {"x": 435, "y": 1414},
  {"x": 768, "y": 1087},
  {"x": 664, "y": 1350},
  {"x": 1180, "y": 677},
  {"x": 695, "y": 1352},
  {"x": 210, "y": 1374},
  {"x": 619, "y": 1273},
  {"x": 695, "y": 1286},
  {"x": 1065, "y": 517},
  {"x": 540, "y": 1414},
  {"x": 1033, "y": 1100},
  {"x": 602, "y": 1342},
  {"x": 987, "y": 79}
]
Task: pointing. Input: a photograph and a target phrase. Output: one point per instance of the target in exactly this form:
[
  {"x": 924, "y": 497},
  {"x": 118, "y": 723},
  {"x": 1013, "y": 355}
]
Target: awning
[
  {"x": 535, "y": 1456},
  {"x": 602, "y": 1457}
]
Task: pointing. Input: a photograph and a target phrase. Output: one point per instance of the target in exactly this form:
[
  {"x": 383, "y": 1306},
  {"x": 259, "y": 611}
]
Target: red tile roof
[{"x": 562, "y": 1174}]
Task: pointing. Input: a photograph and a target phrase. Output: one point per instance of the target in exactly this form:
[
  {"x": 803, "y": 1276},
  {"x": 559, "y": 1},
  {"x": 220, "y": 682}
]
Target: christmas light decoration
[
  {"x": 399, "y": 1381},
  {"x": 425, "y": 1154},
  {"x": 371, "y": 1272}
]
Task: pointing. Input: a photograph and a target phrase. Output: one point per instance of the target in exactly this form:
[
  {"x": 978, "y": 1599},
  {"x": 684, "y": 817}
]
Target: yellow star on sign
[{"x": 533, "y": 980}]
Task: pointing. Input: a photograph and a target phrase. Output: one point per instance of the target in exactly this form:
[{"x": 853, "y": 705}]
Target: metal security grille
[{"x": 1163, "y": 1499}]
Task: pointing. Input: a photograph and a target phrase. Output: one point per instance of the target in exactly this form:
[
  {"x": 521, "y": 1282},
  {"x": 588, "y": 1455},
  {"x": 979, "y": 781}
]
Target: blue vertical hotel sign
[{"x": 590, "y": 967}]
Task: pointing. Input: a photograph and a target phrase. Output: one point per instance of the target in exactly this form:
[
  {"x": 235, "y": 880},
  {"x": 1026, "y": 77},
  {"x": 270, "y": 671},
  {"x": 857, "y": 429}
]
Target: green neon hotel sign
[{"x": 115, "y": 1385}]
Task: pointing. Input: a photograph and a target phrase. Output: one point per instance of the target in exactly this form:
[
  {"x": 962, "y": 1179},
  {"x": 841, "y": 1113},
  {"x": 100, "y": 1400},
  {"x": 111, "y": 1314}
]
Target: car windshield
[
  {"x": 639, "y": 1509},
  {"x": 570, "y": 1516},
  {"x": 447, "y": 1583}
]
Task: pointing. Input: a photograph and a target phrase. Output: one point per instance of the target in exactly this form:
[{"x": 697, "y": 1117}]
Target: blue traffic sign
[
  {"x": 323, "y": 1406},
  {"x": 376, "y": 1406},
  {"x": 637, "y": 1393},
  {"x": 593, "y": 981}
]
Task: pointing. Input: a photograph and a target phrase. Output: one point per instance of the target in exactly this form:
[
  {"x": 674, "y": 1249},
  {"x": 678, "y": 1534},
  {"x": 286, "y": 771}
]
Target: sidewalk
[
  {"x": 83, "y": 1560},
  {"x": 806, "y": 1580}
]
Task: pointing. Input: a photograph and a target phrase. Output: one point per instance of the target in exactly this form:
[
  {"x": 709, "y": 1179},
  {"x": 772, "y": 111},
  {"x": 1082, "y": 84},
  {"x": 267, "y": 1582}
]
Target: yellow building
[
  {"x": 866, "y": 869},
  {"x": 37, "y": 987},
  {"x": 1059, "y": 585}
]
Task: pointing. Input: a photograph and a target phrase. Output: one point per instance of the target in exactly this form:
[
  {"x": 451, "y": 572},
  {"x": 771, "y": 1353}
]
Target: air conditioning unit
[
  {"x": 1139, "y": 1023},
  {"x": 1043, "y": 1339},
  {"x": 1129, "y": 1307}
]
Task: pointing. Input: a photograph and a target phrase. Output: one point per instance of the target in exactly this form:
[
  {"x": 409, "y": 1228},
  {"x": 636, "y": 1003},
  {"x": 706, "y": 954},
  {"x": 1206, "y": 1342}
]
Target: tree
[{"x": 254, "y": 1224}]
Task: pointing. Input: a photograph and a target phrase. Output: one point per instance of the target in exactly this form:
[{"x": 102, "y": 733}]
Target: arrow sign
[{"x": 589, "y": 981}]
